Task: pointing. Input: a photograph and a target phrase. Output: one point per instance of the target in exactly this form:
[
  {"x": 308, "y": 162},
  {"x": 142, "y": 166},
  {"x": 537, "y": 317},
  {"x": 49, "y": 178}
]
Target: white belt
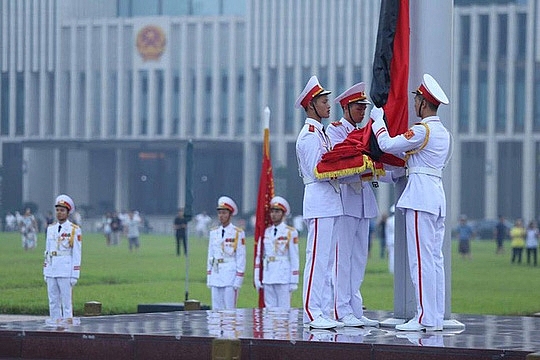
[
  {"x": 59, "y": 253},
  {"x": 424, "y": 170},
  {"x": 224, "y": 260},
  {"x": 334, "y": 183},
  {"x": 275, "y": 258}
]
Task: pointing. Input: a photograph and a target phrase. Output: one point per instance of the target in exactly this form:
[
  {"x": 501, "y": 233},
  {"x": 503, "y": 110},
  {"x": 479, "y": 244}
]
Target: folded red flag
[{"x": 352, "y": 156}]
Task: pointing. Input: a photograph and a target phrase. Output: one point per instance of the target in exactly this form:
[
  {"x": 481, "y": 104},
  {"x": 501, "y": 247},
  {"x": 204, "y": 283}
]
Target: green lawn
[{"x": 120, "y": 280}]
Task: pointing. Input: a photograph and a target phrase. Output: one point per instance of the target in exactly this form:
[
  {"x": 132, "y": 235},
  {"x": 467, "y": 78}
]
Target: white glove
[
  {"x": 258, "y": 284},
  {"x": 238, "y": 282},
  {"x": 45, "y": 278},
  {"x": 208, "y": 282},
  {"x": 293, "y": 287},
  {"x": 377, "y": 114},
  {"x": 73, "y": 281}
]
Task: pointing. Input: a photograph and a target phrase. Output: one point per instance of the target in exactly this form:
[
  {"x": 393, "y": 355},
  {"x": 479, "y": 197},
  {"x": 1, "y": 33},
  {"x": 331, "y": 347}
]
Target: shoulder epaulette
[
  {"x": 290, "y": 228},
  {"x": 214, "y": 228},
  {"x": 311, "y": 128},
  {"x": 336, "y": 123},
  {"x": 237, "y": 228},
  {"x": 75, "y": 226}
]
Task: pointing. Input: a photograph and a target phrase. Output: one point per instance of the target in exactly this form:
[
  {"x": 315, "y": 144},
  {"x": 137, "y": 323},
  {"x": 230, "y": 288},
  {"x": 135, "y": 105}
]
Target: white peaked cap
[
  {"x": 65, "y": 201},
  {"x": 280, "y": 203},
  {"x": 356, "y": 94},
  {"x": 311, "y": 91},
  {"x": 432, "y": 91},
  {"x": 226, "y": 203}
]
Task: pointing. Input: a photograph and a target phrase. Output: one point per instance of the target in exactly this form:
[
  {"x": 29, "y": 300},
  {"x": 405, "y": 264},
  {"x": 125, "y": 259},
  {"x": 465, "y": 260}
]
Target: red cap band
[
  {"x": 353, "y": 98},
  {"x": 425, "y": 93},
  {"x": 317, "y": 89}
]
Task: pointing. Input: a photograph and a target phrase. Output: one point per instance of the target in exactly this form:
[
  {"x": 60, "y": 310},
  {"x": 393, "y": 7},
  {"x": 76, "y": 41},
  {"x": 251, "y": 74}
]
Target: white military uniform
[
  {"x": 62, "y": 267},
  {"x": 280, "y": 265},
  {"x": 321, "y": 206},
  {"x": 424, "y": 203},
  {"x": 225, "y": 265},
  {"x": 351, "y": 235}
]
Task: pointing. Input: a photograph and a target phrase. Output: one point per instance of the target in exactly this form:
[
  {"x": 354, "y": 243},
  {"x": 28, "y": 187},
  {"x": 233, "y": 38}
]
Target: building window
[
  {"x": 503, "y": 36},
  {"x": 160, "y": 103},
  {"x": 464, "y": 96},
  {"x": 240, "y": 124},
  {"x": 519, "y": 100},
  {"x": 536, "y": 102},
  {"x": 143, "y": 104},
  {"x": 207, "y": 126},
  {"x": 500, "y": 103},
  {"x": 112, "y": 122},
  {"x": 482, "y": 102},
  {"x": 521, "y": 35},
  {"x": 95, "y": 120},
  {"x": 4, "y": 104},
  {"x": 130, "y": 8},
  {"x": 81, "y": 106},
  {"x": 19, "y": 104},
  {"x": 484, "y": 38},
  {"x": 49, "y": 100},
  {"x": 175, "y": 103},
  {"x": 474, "y": 172},
  {"x": 465, "y": 37}
]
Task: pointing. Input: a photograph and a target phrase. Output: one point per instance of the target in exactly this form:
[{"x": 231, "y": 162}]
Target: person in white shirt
[
  {"x": 321, "y": 207},
  {"x": 424, "y": 147},
  {"x": 62, "y": 265},
  {"x": 280, "y": 261},
  {"x": 351, "y": 232},
  {"x": 226, "y": 260}
]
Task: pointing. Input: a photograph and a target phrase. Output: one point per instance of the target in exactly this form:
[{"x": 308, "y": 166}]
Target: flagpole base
[
  {"x": 392, "y": 322},
  {"x": 451, "y": 324}
]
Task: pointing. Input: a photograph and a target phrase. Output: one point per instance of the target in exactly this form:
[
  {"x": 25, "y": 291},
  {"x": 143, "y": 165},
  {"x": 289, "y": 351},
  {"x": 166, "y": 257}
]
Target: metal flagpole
[{"x": 188, "y": 207}]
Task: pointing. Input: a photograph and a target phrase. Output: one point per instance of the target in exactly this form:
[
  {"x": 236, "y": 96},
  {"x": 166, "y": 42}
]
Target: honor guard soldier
[
  {"x": 321, "y": 206},
  {"x": 351, "y": 233},
  {"x": 425, "y": 147},
  {"x": 226, "y": 257},
  {"x": 280, "y": 258},
  {"x": 62, "y": 264}
]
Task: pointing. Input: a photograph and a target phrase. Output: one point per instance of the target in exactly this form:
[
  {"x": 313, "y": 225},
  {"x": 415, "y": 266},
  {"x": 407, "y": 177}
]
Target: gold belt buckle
[
  {"x": 53, "y": 253},
  {"x": 271, "y": 258},
  {"x": 220, "y": 261}
]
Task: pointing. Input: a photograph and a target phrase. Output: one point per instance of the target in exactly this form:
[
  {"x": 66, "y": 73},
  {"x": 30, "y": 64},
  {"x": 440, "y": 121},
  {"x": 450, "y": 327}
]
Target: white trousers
[
  {"x": 277, "y": 295},
  {"x": 425, "y": 236},
  {"x": 224, "y": 298},
  {"x": 60, "y": 303},
  {"x": 352, "y": 239},
  {"x": 318, "y": 274}
]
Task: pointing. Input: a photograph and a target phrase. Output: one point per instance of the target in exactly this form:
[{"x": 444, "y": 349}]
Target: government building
[{"x": 99, "y": 99}]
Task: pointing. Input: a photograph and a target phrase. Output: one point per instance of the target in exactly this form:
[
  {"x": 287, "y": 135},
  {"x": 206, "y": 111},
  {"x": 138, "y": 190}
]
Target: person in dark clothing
[
  {"x": 180, "y": 226},
  {"x": 501, "y": 233}
]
